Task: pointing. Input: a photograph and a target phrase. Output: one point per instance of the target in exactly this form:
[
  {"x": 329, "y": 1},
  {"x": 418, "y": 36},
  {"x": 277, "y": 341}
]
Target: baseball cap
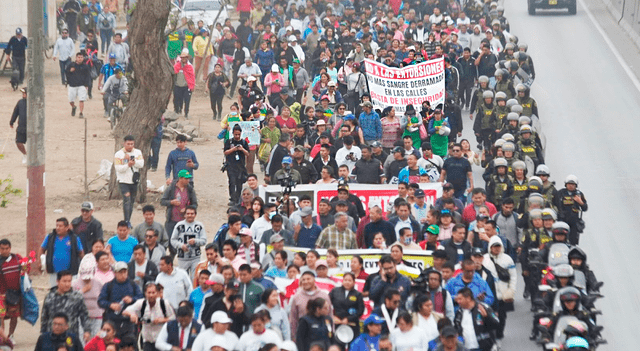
[
  {"x": 366, "y": 104},
  {"x": 288, "y": 346},
  {"x": 251, "y": 79},
  {"x": 373, "y": 318},
  {"x": 18, "y": 30},
  {"x": 306, "y": 211},
  {"x": 275, "y": 68},
  {"x": 87, "y": 206},
  {"x": 287, "y": 160},
  {"x": 112, "y": 56},
  {"x": 299, "y": 148},
  {"x": 448, "y": 331},
  {"x": 292, "y": 38},
  {"x": 184, "y": 174},
  {"x": 23, "y": 90},
  {"x": 215, "y": 278},
  {"x": 433, "y": 229},
  {"x": 447, "y": 186},
  {"x": 331, "y": 83},
  {"x": 488, "y": 31},
  {"x": 119, "y": 266},
  {"x": 349, "y": 117},
  {"x": 341, "y": 203},
  {"x": 245, "y": 231},
  {"x": 398, "y": 149},
  {"x": 477, "y": 251},
  {"x": 276, "y": 238},
  {"x": 220, "y": 317},
  {"x": 418, "y": 193},
  {"x": 255, "y": 265},
  {"x": 321, "y": 263},
  {"x": 376, "y": 144},
  {"x": 233, "y": 284},
  {"x": 325, "y": 134},
  {"x": 321, "y": 122}
]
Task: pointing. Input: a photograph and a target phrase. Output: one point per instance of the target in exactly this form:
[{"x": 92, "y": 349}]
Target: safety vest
[
  {"x": 501, "y": 113},
  {"x": 528, "y": 150},
  {"x": 479, "y": 98},
  {"x": 527, "y": 104},
  {"x": 488, "y": 117},
  {"x": 519, "y": 190},
  {"x": 500, "y": 189},
  {"x": 503, "y": 86}
]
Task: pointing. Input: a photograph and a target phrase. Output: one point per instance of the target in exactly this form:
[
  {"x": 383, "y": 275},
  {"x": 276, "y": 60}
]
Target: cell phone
[{"x": 132, "y": 158}]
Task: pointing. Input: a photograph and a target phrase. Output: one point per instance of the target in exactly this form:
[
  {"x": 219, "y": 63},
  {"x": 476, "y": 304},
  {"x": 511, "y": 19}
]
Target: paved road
[{"x": 589, "y": 108}]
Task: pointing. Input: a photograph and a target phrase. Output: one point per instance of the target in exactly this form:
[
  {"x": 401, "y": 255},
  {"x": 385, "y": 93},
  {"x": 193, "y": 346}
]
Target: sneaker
[
  {"x": 90, "y": 96},
  {"x": 526, "y": 294},
  {"x": 24, "y": 159},
  {"x": 73, "y": 111},
  {"x": 81, "y": 115},
  {"x": 153, "y": 169},
  {"x": 186, "y": 115}
]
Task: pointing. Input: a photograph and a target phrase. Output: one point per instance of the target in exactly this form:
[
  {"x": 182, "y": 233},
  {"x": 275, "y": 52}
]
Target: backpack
[{"x": 163, "y": 307}]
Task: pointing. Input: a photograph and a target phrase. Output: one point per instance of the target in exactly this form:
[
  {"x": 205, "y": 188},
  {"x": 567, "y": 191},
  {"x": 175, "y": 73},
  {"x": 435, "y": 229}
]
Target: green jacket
[{"x": 250, "y": 294}]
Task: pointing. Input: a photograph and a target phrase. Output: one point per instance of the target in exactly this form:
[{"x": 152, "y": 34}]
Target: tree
[{"x": 152, "y": 83}]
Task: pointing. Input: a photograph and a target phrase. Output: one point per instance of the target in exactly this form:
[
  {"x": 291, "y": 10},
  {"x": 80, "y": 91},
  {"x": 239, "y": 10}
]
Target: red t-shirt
[
  {"x": 290, "y": 123},
  {"x": 11, "y": 274}
]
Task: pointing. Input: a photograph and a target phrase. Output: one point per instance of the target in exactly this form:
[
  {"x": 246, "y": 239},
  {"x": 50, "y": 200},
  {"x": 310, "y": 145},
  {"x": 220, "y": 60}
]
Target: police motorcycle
[{"x": 568, "y": 318}]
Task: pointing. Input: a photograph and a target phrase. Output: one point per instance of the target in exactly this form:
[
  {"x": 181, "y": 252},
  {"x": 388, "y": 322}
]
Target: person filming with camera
[
  {"x": 151, "y": 313},
  {"x": 286, "y": 176},
  {"x": 235, "y": 151}
]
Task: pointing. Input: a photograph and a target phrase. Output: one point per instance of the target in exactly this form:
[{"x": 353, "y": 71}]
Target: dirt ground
[{"x": 65, "y": 170}]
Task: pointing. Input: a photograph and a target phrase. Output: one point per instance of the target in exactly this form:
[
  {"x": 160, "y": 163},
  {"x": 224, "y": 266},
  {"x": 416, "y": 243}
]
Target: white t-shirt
[
  {"x": 414, "y": 339},
  {"x": 428, "y": 326},
  {"x": 250, "y": 341},
  {"x": 140, "y": 268},
  {"x": 469, "y": 331}
]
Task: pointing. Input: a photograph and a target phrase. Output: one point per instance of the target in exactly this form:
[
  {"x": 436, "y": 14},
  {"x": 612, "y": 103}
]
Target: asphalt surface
[{"x": 588, "y": 105}]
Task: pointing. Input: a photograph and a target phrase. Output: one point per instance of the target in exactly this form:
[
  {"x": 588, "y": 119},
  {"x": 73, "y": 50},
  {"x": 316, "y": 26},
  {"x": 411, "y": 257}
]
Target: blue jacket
[
  {"x": 265, "y": 59},
  {"x": 477, "y": 285},
  {"x": 114, "y": 291},
  {"x": 365, "y": 342},
  {"x": 49, "y": 342},
  {"x": 339, "y": 97},
  {"x": 379, "y": 286},
  {"x": 178, "y": 161},
  {"x": 371, "y": 126}
]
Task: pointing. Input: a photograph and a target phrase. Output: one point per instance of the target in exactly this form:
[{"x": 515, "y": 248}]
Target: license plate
[{"x": 553, "y": 2}]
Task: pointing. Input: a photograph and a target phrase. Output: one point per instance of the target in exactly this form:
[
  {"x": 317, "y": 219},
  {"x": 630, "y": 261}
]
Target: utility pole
[{"x": 36, "y": 218}]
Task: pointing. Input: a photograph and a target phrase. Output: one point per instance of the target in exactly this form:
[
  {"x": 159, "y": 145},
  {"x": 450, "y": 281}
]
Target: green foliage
[{"x": 7, "y": 189}]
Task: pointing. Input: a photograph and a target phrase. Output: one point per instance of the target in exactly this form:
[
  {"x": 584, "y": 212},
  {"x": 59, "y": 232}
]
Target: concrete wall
[
  {"x": 13, "y": 14},
  {"x": 628, "y": 13}
]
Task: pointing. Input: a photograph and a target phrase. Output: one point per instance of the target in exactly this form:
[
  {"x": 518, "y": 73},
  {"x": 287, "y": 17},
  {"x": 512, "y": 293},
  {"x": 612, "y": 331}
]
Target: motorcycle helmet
[
  {"x": 488, "y": 94},
  {"x": 483, "y": 79},
  {"x": 517, "y": 109},
  {"x": 508, "y": 146},
  {"x": 541, "y": 169},
  {"x": 563, "y": 271},
  {"x": 576, "y": 328},
  {"x": 560, "y": 227},
  {"x": 571, "y": 179},
  {"x": 500, "y": 162},
  {"x": 500, "y": 9},
  {"x": 570, "y": 293},
  {"x": 577, "y": 252},
  {"x": 501, "y": 96},
  {"x": 576, "y": 343},
  {"x": 512, "y": 116}
]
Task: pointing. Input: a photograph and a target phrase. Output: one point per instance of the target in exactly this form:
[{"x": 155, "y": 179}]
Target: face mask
[
  {"x": 102, "y": 334},
  {"x": 407, "y": 241},
  {"x": 271, "y": 214},
  {"x": 233, "y": 113}
]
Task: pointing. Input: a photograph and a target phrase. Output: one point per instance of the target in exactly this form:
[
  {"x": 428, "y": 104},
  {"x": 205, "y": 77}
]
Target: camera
[
  {"x": 351, "y": 157},
  {"x": 148, "y": 321}
]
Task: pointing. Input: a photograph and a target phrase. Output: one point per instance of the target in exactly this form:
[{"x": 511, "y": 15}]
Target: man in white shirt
[
  {"x": 175, "y": 281},
  {"x": 348, "y": 154},
  {"x": 258, "y": 335},
  {"x": 63, "y": 50},
  {"x": 153, "y": 312},
  {"x": 188, "y": 237},
  {"x": 219, "y": 330},
  {"x": 248, "y": 69},
  {"x": 179, "y": 334},
  {"x": 263, "y": 223},
  {"x": 128, "y": 162}
]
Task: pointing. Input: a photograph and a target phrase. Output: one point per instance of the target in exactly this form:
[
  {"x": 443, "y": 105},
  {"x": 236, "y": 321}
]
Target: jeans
[
  {"x": 105, "y": 39},
  {"x": 181, "y": 95},
  {"x": 235, "y": 183},
  {"x": 128, "y": 200},
  {"x": 464, "y": 93},
  {"x": 18, "y": 62},
  {"x": 168, "y": 227},
  {"x": 189, "y": 266},
  {"x": 149, "y": 346},
  {"x": 63, "y": 66},
  {"x": 156, "y": 142},
  {"x": 232, "y": 89}
]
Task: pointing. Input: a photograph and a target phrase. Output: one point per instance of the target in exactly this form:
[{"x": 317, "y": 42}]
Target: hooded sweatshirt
[{"x": 504, "y": 290}]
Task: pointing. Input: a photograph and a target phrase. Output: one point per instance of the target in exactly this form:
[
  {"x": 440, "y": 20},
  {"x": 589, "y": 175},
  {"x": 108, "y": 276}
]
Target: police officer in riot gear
[
  {"x": 549, "y": 190},
  {"x": 500, "y": 184},
  {"x": 527, "y": 147},
  {"x": 570, "y": 203},
  {"x": 476, "y": 100},
  {"x": 529, "y": 105},
  {"x": 504, "y": 83},
  {"x": 485, "y": 124}
]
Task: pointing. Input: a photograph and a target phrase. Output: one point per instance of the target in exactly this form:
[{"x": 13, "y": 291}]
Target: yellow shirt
[{"x": 199, "y": 44}]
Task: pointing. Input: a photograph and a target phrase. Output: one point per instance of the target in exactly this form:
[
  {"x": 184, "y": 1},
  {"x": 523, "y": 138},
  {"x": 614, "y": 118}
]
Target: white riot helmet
[{"x": 571, "y": 179}]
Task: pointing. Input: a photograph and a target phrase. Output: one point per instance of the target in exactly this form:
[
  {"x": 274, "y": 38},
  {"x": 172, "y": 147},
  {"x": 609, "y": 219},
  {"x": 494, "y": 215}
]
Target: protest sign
[
  {"x": 250, "y": 131},
  {"x": 399, "y": 87}
]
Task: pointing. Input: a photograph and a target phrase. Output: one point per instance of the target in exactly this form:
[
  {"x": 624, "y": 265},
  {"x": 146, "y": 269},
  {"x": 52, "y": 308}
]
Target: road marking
[{"x": 614, "y": 50}]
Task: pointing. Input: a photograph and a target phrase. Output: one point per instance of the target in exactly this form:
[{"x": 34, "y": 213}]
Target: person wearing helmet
[
  {"x": 500, "y": 185},
  {"x": 533, "y": 239},
  {"x": 559, "y": 232},
  {"x": 527, "y": 147},
  {"x": 510, "y": 154},
  {"x": 520, "y": 181},
  {"x": 507, "y": 54},
  {"x": 570, "y": 203},
  {"x": 576, "y": 343},
  {"x": 549, "y": 190},
  {"x": 485, "y": 124},
  {"x": 488, "y": 159},
  {"x": 501, "y": 109},
  {"x": 529, "y": 104},
  {"x": 504, "y": 22},
  {"x": 510, "y": 125},
  {"x": 578, "y": 260},
  {"x": 504, "y": 83},
  {"x": 522, "y": 47},
  {"x": 476, "y": 100},
  {"x": 533, "y": 186}
]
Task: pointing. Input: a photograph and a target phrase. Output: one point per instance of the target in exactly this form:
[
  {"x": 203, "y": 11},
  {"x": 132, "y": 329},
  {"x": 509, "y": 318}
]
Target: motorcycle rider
[
  {"x": 571, "y": 306},
  {"x": 570, "y": 203},
  {"x": 560, "y": 231},
  {"x": 533, "y": 240},
  {"x": 500, "y": 185},
  {"x": 578, "y": 260}
]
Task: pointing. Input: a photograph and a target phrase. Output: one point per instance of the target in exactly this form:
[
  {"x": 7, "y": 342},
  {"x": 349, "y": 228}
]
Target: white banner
[{"x": 399, "y": 87}]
